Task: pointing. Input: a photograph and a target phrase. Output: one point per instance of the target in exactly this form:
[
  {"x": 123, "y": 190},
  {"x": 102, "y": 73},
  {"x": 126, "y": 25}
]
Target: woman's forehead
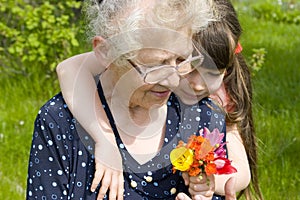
[
  {"x": 150, "y": 55},
  {"x": 148, "y": 41}
]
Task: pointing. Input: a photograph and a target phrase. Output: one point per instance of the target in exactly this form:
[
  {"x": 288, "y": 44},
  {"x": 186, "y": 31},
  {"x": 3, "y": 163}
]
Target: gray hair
[{"x": 130, "y": 15}]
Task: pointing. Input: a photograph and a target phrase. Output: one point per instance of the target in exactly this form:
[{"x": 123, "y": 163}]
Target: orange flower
[
  {"x": 195, "y": 163},
  {"x": 200, "y": 139},
  {"x": 180, "y": 144},
  {"x": 210, "y": 168},
  {"x": 191, "y": 142},
  {"x": 194, "y": 171},
  {"x": 210, "y": 156},
  {"x": 204, "y": 149}
]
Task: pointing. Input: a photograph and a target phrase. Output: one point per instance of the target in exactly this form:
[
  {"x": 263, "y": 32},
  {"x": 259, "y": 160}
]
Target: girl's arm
[
  {"x": 76, "y": 77},
  {"x": 235, "y": 148},
  {"x": 78, "y": 86},
  {"x": 237, "y": 154}
]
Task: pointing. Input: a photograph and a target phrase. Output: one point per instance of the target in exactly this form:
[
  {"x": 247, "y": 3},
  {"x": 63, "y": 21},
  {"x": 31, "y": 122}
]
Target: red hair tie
[{"x": 238, "y": 48}]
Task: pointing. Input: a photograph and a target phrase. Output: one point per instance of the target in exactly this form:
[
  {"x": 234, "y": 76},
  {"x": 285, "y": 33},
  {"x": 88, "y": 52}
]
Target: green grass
[
  {"x": 276, "y": 105},
  {"x": 21, "y": 98},
  {"x": 276, "y": 112}
]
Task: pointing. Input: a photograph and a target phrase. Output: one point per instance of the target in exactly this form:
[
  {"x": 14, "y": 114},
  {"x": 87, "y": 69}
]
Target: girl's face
[{"x": 198, "y": 84}]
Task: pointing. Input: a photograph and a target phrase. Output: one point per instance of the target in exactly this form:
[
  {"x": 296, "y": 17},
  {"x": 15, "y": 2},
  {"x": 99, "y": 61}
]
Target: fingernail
[{"x": 180, "y": 196}]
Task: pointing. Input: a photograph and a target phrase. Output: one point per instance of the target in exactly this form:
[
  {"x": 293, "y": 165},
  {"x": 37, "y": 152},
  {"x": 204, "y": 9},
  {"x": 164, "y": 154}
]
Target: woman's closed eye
[
  {"x": 180, "y": 60},
  {"x": 215, "y": 73}
]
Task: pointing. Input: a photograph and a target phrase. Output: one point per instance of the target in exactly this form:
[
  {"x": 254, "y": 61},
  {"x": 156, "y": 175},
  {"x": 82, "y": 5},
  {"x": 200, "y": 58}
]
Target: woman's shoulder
[
  {"x": 54, "y": 120},
  {"x": 55, "y": 112},
  {"x": 55, "y": 106}
]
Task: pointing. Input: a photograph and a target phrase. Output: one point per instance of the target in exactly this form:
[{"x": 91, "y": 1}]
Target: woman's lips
[{"x": 161, "y": 94}]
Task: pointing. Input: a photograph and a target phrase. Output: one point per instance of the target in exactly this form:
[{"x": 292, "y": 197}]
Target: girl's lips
[
  {"x": 193, "y": 96},
  {"x": 189, "y": 95},
  {"x": 161, "y": 93}
]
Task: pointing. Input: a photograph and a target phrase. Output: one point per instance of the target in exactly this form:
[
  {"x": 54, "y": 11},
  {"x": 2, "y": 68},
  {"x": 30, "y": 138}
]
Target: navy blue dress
[{"x": 61, "y": 163}]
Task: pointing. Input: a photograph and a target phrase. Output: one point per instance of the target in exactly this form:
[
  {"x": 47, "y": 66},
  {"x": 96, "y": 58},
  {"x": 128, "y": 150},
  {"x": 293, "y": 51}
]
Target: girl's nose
[
  {"x": 171, "y": 81},
  {"x": 197, "y": 83}
]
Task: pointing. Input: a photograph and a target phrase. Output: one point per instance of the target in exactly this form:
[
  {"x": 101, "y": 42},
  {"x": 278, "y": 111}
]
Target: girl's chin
[{"x": 190, "y": 99}]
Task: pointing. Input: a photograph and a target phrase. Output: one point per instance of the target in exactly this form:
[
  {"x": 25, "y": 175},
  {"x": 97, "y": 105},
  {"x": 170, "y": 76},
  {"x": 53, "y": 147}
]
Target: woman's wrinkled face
[
  {"x": 148, "y": 95},
  {"x": 165, "y": 48}
]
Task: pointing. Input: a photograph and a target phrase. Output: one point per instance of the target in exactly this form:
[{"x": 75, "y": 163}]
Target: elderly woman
[{"x": 135, "y": 91}]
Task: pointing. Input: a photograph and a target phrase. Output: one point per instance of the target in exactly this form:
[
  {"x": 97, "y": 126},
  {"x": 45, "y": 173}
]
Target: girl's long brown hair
[{"x": 220, "y": 39}]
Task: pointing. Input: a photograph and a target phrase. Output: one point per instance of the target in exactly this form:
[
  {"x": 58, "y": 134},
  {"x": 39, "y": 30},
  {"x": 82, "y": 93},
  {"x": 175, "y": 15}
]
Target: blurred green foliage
[
  {"x": 37, "y": 34},
  {"x": 278, "y": 11},
  {"x": 257, "y": 60}
]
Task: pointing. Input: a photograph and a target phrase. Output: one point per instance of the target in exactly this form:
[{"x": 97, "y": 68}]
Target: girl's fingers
[
  {"x": 105, "y": 184},
  {"x": 120, "y": 187},
  {"x": 113, "y": 188},
  {"x": 97, "y": 176},
  {"x": 230, "y": 189}
]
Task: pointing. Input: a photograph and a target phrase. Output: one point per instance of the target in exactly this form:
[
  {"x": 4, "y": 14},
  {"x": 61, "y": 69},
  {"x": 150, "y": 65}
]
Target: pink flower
[
  {"x": 220, "y": 151},
  {"x": 215, "y": 137}
]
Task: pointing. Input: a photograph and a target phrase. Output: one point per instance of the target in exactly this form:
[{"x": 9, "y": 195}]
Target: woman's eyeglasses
[{"x": 155, "y": 74}]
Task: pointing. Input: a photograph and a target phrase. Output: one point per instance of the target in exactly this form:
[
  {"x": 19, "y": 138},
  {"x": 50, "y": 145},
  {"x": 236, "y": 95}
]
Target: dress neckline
[{"x": 127, "y": 157}]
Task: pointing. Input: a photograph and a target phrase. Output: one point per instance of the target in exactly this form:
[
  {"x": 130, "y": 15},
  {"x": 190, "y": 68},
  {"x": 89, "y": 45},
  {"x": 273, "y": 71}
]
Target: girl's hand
[
  {"x": 110, "y": 177},
  {"x": 230, "y": 193}
]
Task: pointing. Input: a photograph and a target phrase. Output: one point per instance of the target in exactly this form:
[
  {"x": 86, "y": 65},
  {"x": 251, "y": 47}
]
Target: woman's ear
[
  {"x": 100, "y": 48},
  {"x": 98, "y": 40}
]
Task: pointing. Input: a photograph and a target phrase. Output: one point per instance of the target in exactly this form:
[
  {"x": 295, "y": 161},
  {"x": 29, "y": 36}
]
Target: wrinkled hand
[
  {"x": 183, "y": 196},
  {"x": 229, "y": 191},
  {"x": 200, "y": 188},
  {"x": 108, "y": 172}
]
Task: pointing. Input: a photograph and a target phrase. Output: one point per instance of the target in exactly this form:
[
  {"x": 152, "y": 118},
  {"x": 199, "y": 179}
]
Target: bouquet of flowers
[{"x": 202, "y": 154}]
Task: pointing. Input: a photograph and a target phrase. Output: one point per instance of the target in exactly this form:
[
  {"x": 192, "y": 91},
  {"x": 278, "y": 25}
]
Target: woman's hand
[
  {"x": 229, "y": 192},
  {"x": 200, "y": 187},
  {"x": 110, "y": 177}
]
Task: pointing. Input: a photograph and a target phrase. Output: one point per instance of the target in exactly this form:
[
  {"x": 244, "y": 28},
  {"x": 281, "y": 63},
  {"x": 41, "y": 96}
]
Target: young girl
[{"x": 220, "y": 40}]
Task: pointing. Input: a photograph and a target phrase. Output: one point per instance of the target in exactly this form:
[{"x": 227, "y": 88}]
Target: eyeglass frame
[{"x": 148, "y": 70}]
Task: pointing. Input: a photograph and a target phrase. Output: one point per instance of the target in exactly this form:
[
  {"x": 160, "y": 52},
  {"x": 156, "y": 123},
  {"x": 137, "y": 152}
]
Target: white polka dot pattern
[{"x": 61, "y": 165}]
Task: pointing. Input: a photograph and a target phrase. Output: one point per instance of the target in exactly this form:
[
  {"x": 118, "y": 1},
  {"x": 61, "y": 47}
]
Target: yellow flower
[{"x": 182, "y": 158}]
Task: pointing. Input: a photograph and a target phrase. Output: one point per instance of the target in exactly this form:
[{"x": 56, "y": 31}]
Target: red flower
[{"x": 223, "y": 166}]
